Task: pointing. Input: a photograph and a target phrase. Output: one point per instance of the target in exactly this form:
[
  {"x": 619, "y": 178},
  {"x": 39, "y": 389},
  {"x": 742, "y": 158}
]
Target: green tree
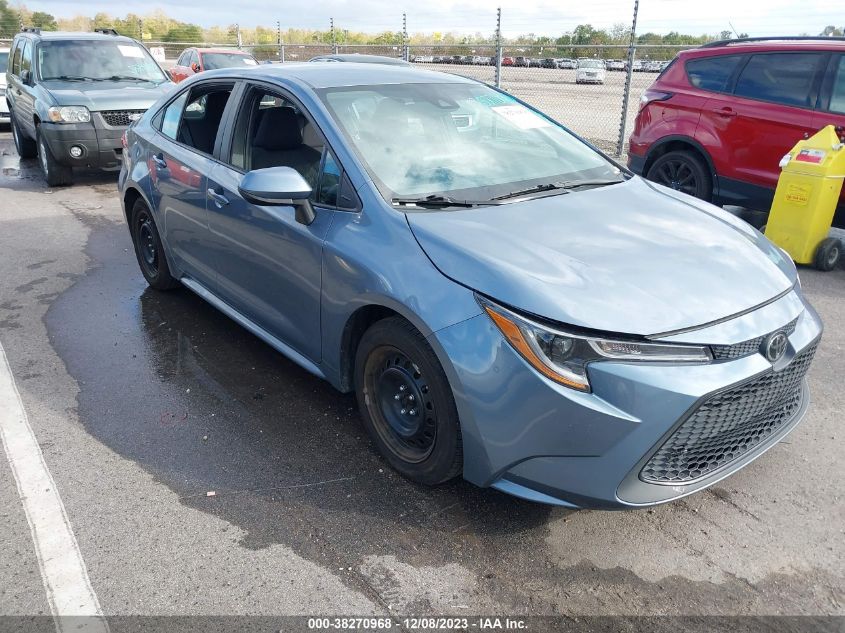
[
  {"x": 9, "y": 20},
  {"x": 44, "y": 21}
]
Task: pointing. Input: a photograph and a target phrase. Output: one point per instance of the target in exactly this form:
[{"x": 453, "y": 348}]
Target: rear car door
[
  {"x": 269, "y": 265},
  {"x": 769, "y": 110},
  {"x": 832, "y": 111},
  {"x": 179, "y": 165}
]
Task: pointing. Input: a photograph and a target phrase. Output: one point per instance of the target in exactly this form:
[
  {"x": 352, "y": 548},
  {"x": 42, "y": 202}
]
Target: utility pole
[
  {"x": 140, "y": 29},
  {"x": 281, "y": 48},
  {"x": 334, "y": 41},
  {"x": 238, "y": 35},
  {"x": 499, "y": 47},
  {"x": 405, "y": 51},
  {"x": 626, "y": 94}
]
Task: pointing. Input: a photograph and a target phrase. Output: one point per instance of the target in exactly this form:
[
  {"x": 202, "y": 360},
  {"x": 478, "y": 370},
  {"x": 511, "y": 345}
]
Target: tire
[
  {"x": 396, "y": 375},
  {"x": 56, "y": 174},
  {"x": 25, "y": 147},
  {"x": 683, "y": 171},
  {"x": 148, "y": 248},
  {"x": 828, "y": 254}
]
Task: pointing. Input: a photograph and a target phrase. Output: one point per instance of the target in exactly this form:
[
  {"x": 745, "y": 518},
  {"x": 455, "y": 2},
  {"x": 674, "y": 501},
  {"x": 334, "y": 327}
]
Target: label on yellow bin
[
  {"x": 798, "y": 194},
  {"x": 811, "y": 156}
]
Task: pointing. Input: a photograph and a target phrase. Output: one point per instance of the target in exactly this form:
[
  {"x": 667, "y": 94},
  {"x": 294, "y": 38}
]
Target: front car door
[
  {"x": 180, "y": 70},
  {"x": 768, "y": 110},
  {"x": 20, "y": 87},
  {"x": 179, "y": 165},
  {"x": 269, "y": 265}
]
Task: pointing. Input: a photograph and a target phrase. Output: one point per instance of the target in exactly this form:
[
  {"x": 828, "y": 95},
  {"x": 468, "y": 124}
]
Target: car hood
[
  {"x": 119, "y": 95},
  {"x": 631, "y": 258}
]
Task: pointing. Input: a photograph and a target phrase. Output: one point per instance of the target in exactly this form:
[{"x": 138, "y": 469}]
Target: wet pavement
[{"x": 144, "y": 402}]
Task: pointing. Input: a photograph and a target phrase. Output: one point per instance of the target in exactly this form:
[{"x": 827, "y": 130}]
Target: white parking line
[{"x": 63, "y": 571}]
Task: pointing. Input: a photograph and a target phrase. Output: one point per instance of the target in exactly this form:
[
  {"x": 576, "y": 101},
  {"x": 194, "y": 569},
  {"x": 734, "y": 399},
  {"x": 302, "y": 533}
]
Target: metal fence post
[
  {"x": 626, "y": 94},
  {"x": 405, "y": 51},
  {"x": 499, "y": 47},
  {"x": 238, "y": 35},
  {"x": 279, "y": 40},
  {"x": 334, "y": 41}
]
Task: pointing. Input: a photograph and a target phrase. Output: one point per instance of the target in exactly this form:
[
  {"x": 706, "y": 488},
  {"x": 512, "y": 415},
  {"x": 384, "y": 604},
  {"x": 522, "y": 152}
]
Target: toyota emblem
[{"x": 775, "y": 346}]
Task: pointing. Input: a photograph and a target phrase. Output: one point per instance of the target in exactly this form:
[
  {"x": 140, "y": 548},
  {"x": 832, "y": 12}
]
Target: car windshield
[
  {"x": 212, "y": 61},
  {"x": 590, "y": 63},
  {"x": 466, "y": 141},
  {"x": 96, "y": 60}
]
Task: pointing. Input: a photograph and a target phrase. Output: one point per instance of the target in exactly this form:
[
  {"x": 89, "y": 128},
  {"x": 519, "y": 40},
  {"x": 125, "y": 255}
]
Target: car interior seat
[{"x": 278, "y": 143}]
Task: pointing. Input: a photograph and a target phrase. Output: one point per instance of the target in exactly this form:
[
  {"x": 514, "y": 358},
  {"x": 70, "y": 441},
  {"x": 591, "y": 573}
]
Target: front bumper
[
  {"x": 530, "y": 437},
  {"x": 101, "y": 143}
]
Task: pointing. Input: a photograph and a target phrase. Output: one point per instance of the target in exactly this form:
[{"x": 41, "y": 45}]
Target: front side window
[
  {"x": 837, "y": 95},
  {"x": 194, "y": 118},
  {"x": 785, "y": 78},
  {"x": 97, "y": 60},
  {"x": 26, "y": 57},
  {"x": 712, "y": 73},
  {"x": 463, "y": 140}
]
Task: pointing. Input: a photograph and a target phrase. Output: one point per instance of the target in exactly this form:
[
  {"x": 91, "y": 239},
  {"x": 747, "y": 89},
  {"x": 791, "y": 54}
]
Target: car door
[
  {"x": 179, "y": 164},
  {"x": 768, "y": 110},
  {"x": 831, "y": 111},
  {"x": 269, "y": 264},
  {"x": 21, "y": 87}
]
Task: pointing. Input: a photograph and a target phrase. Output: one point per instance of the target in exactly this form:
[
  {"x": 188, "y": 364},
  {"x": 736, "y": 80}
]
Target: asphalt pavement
[{"x": 143, "y": 403}]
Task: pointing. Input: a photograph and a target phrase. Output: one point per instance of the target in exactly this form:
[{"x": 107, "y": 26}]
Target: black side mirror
[
  {"x": 26, "y": 77},
  {"x": 279, "y": 186}
]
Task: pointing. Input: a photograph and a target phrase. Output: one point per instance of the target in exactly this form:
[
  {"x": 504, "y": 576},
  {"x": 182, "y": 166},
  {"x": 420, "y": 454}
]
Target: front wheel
[
  {"x": 683, "y": 171},
  {"x": 25, "y": 147},
  {"x": 828, "y": 254},
  {"x": 56, "y": 174},
  {"x": 406, "y": 403}
]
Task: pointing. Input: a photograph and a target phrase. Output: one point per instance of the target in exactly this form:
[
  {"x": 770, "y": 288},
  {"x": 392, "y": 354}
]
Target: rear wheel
[
  {"x": 406, "y": 403},
  {"x": 25, "y": 146},
  {"x": 684, "y": 171},
  {"x": 56, "y": 174},
  {"x": 148, "y": 248},
  {"x": 828, "y": 254}
]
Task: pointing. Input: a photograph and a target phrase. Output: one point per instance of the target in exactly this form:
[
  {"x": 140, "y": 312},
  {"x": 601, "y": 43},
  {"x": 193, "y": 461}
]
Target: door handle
[
  {"x": 727, "y": 112},
  {"x": 219, "y": 199},
  {"x": 158, "y": 159}
]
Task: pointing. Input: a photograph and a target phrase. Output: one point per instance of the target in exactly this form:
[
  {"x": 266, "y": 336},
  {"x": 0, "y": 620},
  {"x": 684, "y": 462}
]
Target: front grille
[
  {"x": 730, "y": 424},
  {"x": 746, "y": 348},
  {"x": 119, "y": 118}
]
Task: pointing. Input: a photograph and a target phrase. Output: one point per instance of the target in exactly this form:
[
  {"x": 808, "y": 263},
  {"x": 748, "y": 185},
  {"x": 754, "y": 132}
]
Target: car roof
[
  {"x": 72, "y": 35},
  {"x": 768, "y": 45},
  {"x": 361, "y": 59},
  {"x": 340, "y": 75},
  {"x": 233, "y": 51}
]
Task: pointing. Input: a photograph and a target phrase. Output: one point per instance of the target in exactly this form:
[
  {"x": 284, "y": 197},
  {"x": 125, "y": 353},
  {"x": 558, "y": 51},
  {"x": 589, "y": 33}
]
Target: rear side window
[
  {"x": 837, "y": 95},
  {"x": 712, "y": 73},
  {"x": 172, "y": 116},
  {"x": 16, "y": 58},
  {"x": 785, "y": 78}
]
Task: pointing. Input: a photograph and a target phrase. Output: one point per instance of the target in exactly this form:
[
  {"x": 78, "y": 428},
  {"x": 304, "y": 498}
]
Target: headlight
[
  {"x": 563, "y": 356},
  {"x": 69, "y": 114}
]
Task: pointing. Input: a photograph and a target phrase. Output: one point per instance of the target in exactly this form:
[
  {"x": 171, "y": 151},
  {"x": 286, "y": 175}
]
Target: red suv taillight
[{"x": 653, "y": 95}]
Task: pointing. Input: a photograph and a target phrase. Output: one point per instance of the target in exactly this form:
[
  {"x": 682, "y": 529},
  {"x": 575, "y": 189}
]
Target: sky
[{"x": 541, "y": 17}]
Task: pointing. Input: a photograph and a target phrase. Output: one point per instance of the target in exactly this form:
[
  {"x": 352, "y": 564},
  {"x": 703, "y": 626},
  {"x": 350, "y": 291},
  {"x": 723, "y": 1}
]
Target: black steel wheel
[
  {"x": 406, "y": 402},
  {"x": 682, "y": 171},
  {"x": 828, "y": 254},
  {"x": 56, "y": 174},
  {"x": 148, "y": 248}
]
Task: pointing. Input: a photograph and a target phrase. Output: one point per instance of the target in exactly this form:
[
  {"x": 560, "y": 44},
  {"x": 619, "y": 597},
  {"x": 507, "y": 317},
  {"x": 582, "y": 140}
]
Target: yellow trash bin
[{"x": 806, "y": 198}]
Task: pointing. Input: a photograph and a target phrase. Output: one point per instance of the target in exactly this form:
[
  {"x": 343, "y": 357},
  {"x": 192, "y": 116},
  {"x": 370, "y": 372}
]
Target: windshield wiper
[
  {"x": 565, "y": 186},
  {"x": 68, "y": 78},
  {"x": 122, "y": 78},
  {"x": 435, "y": 201}
]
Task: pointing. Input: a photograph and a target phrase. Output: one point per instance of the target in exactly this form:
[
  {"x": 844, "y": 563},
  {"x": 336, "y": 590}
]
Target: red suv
[
  {"x": 717, "y": 121},
  {"x": 196, "y": 60}
]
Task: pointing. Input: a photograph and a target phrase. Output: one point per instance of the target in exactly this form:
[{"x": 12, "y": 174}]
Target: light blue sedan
[{"x": 507, "y": 303}]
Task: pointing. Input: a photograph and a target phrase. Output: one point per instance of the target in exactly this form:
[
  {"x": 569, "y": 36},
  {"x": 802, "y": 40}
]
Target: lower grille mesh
[{"x": 729, "y": 425}]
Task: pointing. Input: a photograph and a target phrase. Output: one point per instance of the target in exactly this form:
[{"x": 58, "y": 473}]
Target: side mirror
[
  {"x": 26, "y": 76},
  {"x": 195, "y": 67},
  {"x": 279, "y": 186}
]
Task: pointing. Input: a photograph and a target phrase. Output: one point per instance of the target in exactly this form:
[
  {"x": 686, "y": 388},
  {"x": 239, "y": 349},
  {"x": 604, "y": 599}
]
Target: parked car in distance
[
  {"x": 567, "y": 64},
  {"x": 358, "y": 58},
  {"x": 521, "y": 61},
  {"x": 507, "y": 61},
  {"x": 718, "y": 120},
  {"x": 72, "y": 95},
  {"x": 615, "y": 64},
  {"x": 315, "y": 204},
  {"x": 196, "y": 60},
  {"x": 423, "y": 59},
  {"x": 590, "y": 71},
  {"x": 480, "y": 60},
  {"x": 639, "y": 65},
  {"x": 4, "y": 106},
  {"x": 549, "y": 62}
]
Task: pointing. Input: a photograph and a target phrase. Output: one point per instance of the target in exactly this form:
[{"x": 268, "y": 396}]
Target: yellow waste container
[{"x": 806, "y": 198}]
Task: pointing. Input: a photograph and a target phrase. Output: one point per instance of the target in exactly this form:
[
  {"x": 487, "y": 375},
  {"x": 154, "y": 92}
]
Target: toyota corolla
[{"x": 506, "y": 302}]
